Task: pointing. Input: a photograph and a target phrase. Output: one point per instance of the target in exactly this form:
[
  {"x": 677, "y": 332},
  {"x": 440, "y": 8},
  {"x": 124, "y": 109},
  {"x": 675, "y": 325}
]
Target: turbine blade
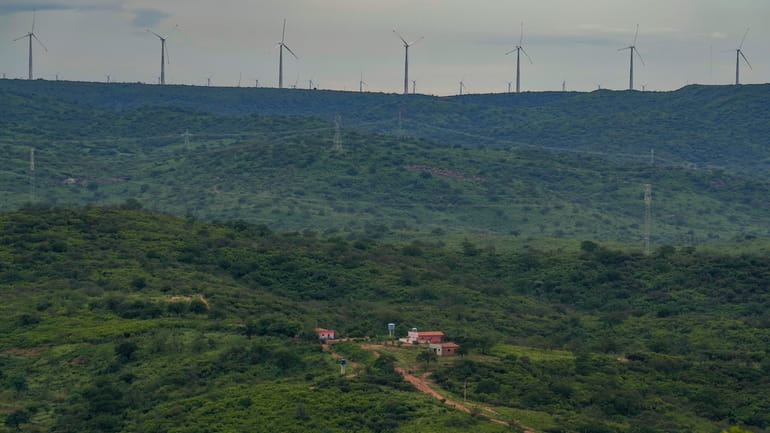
[
  {"x": 22, "y": 37},
  {"x": 168, "y": 55},
  {"x": 509, "y": 52},
  {"x": 521, "y": 38},
  {"x": 39, "y": 41},
  {"x": 33, "y": 20},
  {"x": 636, "y": 35},
  {"x": 292, "y": 52},
  {"x": 746, "y": 60},
  {"x": 417, "y": 40},
  {"x": 527, "y": 55},
  {"x": 401, "y": 37},
  {"x": 283, "y": 34},
  {"x": 626, "y": 48},
  {"x": 744, "y": 38},
  {"x": 639, "y": 55},
  {"x": 159, "y": 36}
]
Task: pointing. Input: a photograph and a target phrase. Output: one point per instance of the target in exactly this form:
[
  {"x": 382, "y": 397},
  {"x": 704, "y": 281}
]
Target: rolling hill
[
  {"x": 118, "y": 319},
  {"x": 712, "y": 126}
]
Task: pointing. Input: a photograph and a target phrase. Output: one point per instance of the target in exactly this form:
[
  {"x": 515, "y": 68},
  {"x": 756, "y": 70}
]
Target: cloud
[
  {"x": 147, "y": 18},
  {"x": 8, "y": 7}
]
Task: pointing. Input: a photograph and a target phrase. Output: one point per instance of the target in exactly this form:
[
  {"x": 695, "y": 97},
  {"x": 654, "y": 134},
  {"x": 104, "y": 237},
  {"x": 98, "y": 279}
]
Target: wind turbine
[
  {"x": 462, "y": 86},
  {"x": 519, "y": 49},
  {"x": 164, "y": 58},
  {"x": 414, "y": 87},
  {"x": 208, "y": 80},
  {"x": 738, "y": 55},
  {"x": 633, "y": 49},
  {"x": 31, "y": 35},
  {"x": 281, "y": 46},
  {"x": 361, "y": 83},
  {"x": 406, "y": 59}
]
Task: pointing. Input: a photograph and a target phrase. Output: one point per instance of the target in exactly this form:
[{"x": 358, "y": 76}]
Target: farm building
[
  {"x": 444, "y": 349},
  {"x": 325, "y": 334},
  {"x": 423, "y": 337}
]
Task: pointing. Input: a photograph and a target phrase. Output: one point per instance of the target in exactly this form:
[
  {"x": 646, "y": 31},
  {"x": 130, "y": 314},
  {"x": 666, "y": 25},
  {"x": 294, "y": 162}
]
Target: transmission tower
[
  {"x": 337, "y": 135},
  {"x": 32, "y": 173},
  {"x": 187, "y": 136},
  {"x": 647, "y": 217}
]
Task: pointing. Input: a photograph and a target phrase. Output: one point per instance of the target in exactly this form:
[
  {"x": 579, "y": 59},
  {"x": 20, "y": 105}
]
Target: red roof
[
  {"x": 429, "y": 333},
  {"x": 324, "y": 331},
  {"x": 450, "y": 345}
]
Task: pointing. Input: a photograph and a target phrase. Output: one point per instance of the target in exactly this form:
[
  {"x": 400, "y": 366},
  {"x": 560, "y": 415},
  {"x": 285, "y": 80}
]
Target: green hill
[
  {"x": 123, "y": 320},
  {"x": 283, "y": 171},
  {"x": 719, "y": 126}
]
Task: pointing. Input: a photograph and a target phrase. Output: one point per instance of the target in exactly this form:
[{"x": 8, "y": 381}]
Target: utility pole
[
  {"x": 647, "y": 217},
  {"x": 337, "y": 135},
  {"x": 32, "y": 173}
]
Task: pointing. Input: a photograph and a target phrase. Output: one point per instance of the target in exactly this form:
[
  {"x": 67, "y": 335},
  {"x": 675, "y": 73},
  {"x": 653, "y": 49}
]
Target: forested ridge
[{"x": 290, "y": 173}]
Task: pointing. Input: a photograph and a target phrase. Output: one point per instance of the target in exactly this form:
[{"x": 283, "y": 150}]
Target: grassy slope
[{"x": 77, "y": 284}]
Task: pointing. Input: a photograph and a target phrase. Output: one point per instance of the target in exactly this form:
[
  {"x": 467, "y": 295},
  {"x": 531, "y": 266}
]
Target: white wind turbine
[
  {"x": 281, "y": 46},
  {"x": 30, "y": 36},
  {"x": 519, "y": 49},
  {"x": 738, "y": 55},
  {"x": 406, "y": 59},
  {"x": 164, "y": 56},
  {"x": 633, "y": 49}
]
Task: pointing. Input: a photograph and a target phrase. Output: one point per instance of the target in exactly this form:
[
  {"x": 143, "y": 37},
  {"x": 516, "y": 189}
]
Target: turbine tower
[
  {"x": 462, "y": 86},
  {"x": 31, "y": 35},
  {"x": 519, "y": 49},
  {"x": 361, "y": 83},
  {"x": 738, "y": 55},
  {"x": 281, "y": 46},
  {"x": 633, "y": 49},
  {"x": 164, "y": 57},
  {"x": 406, "y": 59}
]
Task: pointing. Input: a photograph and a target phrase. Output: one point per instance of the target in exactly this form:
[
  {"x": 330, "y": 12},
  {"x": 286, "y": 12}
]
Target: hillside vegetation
[
  {"x": 117, "y": 319},
  {"x": 713, "y": 126},
  {"x": 285, "y": 172}
]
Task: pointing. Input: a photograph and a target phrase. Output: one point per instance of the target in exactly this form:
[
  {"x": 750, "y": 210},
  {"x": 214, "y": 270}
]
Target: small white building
[
  {"x": 444, "y": 349},
  {"x": 325, "y": 334}
]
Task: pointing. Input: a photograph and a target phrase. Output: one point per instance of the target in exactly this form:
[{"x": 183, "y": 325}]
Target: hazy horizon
[{"x": 683, "y": 42}]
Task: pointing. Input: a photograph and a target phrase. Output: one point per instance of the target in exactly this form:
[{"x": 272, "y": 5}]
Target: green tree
[
  {"x": 427, "y": 356},
  {"x": 250, "y": 329},
  {"x": 16, "y": 418},
  {"x": 126, "y": 350},
  {"x": 18, "y": 383}
]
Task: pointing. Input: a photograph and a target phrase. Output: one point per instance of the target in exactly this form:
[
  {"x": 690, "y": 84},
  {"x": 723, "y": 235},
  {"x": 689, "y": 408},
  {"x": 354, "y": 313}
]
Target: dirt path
[
  {"x": 423, "y": 385},
  {"x": 356, "y": 365}
]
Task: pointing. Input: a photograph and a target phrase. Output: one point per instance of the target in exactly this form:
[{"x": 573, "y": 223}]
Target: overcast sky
[{"x": 577, "y": 41}]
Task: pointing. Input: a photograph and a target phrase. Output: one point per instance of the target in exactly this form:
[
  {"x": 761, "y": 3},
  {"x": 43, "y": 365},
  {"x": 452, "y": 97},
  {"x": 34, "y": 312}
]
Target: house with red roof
[
  {"x": 423, "y": 337},
  {"x": 325, "y": 334}
]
